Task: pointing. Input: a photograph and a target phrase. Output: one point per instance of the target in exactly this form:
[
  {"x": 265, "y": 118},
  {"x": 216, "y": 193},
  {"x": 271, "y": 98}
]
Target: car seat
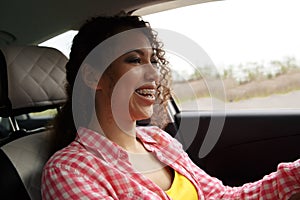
[{"x": 31, "y": 80}]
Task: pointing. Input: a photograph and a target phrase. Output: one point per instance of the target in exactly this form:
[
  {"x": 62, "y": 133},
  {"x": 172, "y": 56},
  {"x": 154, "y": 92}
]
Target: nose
[{"x": 151, "y": 73}]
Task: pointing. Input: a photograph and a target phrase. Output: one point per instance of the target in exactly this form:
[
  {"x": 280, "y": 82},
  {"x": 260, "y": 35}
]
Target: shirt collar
[
  {"x": 98, "y": 144},
  {"x": 106, "y": 149},
  {"x": 145, "y": 136},
  {"x": 166, "y": 148}
]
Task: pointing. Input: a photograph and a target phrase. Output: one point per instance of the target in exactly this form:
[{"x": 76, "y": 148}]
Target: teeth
[{"x": 146, "y": 91}]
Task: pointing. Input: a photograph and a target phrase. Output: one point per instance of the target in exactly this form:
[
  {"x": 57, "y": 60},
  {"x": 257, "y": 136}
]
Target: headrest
[{"x": 31, "y": 79}]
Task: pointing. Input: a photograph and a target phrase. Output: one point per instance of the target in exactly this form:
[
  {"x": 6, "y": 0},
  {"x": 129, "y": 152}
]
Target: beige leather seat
[{"x": 31, "y": 80}]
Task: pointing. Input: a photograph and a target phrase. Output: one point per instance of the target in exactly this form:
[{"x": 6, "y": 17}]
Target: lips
[{"x": 147, "y": 92}]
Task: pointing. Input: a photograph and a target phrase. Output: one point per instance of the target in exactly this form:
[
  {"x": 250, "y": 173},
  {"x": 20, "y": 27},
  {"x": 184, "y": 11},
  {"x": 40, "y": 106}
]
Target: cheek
[
  {"x": 118, "y": 87},
  {"x": 122, "y": 83},
  {"x": 121, "y": 97},
  {"x": 129, "y": 80}
]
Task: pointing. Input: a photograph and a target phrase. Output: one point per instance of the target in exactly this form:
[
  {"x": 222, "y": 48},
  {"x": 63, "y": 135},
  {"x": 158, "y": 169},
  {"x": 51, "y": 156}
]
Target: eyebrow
[{"x": 141, "y": 52}]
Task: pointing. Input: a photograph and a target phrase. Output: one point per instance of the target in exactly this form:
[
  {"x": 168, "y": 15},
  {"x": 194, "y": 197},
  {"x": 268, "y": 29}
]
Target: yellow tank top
[{"x": 182, "y": 188}]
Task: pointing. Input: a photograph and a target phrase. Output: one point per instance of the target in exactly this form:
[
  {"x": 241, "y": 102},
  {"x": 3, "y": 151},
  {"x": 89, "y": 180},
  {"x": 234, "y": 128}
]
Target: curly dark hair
[{"x": 91, "y": 34}]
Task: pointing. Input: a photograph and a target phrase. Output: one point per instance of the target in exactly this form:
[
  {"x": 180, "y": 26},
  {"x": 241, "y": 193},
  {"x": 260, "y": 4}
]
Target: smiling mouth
[{"x": 146, "y": 93}]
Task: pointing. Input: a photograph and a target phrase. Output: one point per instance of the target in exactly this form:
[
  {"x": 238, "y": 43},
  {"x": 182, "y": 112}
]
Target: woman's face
[{"x": 129, "y": 84}]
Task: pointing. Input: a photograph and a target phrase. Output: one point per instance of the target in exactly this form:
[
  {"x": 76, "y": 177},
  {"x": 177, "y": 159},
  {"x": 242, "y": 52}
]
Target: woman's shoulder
[{"x": 70, "y": 156}]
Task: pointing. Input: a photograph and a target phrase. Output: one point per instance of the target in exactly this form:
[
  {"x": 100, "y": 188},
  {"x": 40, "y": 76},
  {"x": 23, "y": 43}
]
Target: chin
[{"x": 142, "y": 115}]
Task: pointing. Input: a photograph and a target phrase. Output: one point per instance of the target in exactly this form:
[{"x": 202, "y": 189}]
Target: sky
[
  {"x": 234, "y": 31},
  {"x": 231, "y": 31}
]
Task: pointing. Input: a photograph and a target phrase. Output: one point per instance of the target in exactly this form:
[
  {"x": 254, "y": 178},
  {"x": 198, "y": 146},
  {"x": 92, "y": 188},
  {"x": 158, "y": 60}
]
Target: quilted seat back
[{"x": 35, "y": 78}]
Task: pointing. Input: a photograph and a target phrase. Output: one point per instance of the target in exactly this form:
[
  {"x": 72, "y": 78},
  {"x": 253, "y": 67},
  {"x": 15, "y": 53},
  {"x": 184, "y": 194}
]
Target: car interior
[{"x": 251, "y": 143}]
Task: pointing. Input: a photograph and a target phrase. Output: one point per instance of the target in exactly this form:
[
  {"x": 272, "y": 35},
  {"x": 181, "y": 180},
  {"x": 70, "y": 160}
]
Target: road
[{"x": 289, "y": 100}]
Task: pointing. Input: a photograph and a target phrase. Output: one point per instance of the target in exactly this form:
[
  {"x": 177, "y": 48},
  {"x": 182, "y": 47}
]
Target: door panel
[{"x": 251, "y": 144}]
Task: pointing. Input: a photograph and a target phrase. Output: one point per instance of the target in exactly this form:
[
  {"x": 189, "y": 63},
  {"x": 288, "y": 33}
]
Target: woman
[{"x": 103, "y": 155}]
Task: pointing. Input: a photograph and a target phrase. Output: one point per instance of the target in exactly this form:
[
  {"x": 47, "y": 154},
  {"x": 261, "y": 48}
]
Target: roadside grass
[
  {"x": 50, "y": 113},
  {"x": 260, "y": 86}
]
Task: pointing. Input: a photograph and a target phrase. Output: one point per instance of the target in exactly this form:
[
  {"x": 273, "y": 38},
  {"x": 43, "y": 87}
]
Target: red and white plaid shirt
[{"x": 92, "y": 167}]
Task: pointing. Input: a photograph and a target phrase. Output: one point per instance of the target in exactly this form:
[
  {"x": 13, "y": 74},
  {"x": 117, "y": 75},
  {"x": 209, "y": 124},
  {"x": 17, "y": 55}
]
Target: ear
[{"x": 90, "y": 76}]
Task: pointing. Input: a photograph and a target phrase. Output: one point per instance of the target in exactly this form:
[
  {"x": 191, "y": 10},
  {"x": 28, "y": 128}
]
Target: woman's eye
[
  {"x": 154, "y": 61},
  {"x": 134, "y": 60}
]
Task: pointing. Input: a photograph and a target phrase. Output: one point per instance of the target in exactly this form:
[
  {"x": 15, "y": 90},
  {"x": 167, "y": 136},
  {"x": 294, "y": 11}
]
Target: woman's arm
[
  {"x": 282, "y": 184},
  {"x": 59, "y": 183}
]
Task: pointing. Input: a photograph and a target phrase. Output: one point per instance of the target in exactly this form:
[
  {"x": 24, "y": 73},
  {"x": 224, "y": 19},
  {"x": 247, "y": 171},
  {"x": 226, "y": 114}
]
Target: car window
[
  {"x": 29, "y": 122},
  {"x": 254, "y": 46},
  {"x": 62, "y": 42}
]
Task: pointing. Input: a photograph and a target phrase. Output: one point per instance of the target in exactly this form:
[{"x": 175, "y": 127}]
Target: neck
[{"x": 125, "y": 137}]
